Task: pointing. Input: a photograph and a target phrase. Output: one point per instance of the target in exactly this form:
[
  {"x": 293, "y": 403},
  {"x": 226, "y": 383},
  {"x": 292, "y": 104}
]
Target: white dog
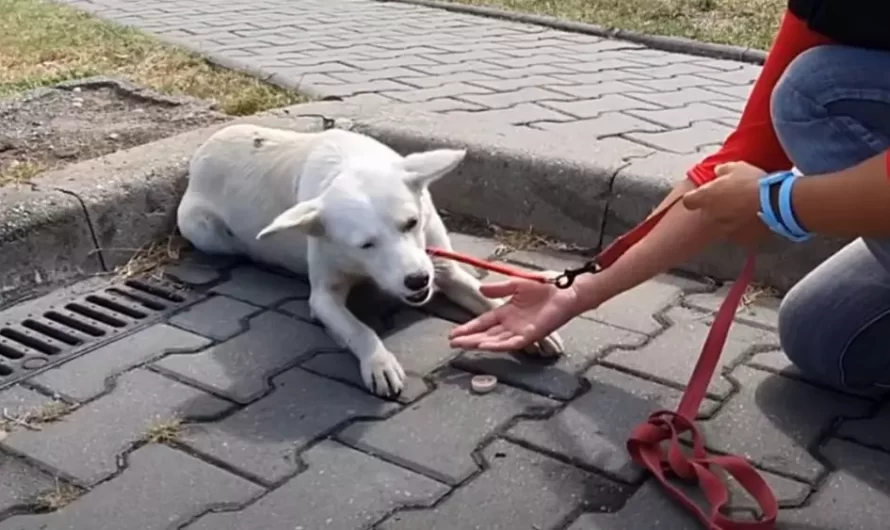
[{"x": 341, "y": 207}]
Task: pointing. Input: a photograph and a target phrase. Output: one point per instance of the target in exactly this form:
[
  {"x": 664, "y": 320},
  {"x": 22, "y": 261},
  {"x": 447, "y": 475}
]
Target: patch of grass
[
  {"x": 164, "y": 431},
  {"x": 750, "y": 23},
  {"x": 59, "y": 497},
  {"x": 20, "y": 172},
  {"x": 42, "y": 44},
  {"x": 34, "y": 418}
]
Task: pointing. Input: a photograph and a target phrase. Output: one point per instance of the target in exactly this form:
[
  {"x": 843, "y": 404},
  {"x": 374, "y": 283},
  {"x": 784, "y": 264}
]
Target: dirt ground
[{"x": 80, "y": 120}]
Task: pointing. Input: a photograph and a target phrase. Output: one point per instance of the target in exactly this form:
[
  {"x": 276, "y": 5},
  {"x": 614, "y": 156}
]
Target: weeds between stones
[{"x": 165, "y": 431}]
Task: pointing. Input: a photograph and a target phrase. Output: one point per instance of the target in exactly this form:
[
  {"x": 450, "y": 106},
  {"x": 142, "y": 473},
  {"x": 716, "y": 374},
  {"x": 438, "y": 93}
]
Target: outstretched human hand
[{"x": 533, "y": 311}]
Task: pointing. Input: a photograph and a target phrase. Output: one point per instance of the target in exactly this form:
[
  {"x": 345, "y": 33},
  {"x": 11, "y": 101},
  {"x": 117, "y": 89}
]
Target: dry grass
[
  {"x": 34, "y": 418},
  {"x": 61, "y": 496},
  {"x": 152, "y": 258},
  {"x": 750, "y": 23},
  {"x": 43, "y": 44},
  {"x": 164, "y": 431}
]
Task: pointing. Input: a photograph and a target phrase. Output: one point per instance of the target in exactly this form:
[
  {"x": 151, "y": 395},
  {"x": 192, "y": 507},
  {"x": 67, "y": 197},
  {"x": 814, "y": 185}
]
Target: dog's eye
[
  {"x": 411, "y": 224},
  {"x": 367, "y": 245}
]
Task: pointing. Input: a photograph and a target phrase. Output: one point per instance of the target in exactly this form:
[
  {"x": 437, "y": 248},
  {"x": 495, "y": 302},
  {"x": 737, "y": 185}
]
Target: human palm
[{"x": 533, "y": 311}]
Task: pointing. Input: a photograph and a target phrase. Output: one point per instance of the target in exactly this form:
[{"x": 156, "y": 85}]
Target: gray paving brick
[
  {"x": 344, "y": 90},
  {"x": 681, "y": 97},
  {"x": 873, "y": 431},
  {"x": 741, "y": 92},
  {"x": 520, "y": 114},
  {"x": 598, "y": 77},
  {"x": 505, "y": 85},
  {"x": 593, "y": 428},
  {"x": 853, "y": 497},
  {"x": 597, "y": 64},
  {"x": 263, "y": 439},
  {"x": 437, "y": 436},
  {"x": 737, "y": 105},
  {"x": 671, "y": 356},
  {"x": 686, "y": 81},
  {"x": 685, "y": 116},
  {"x": 341, "y": 488},
  {"x": 448, "y": 90},
  {"x": 460, "y": 57},
  {"x": 174, "y": 487},
  {"x": 528, "y": 71},
  {"x": 775, "y": 420},
  {"x": 20, "y": 483},
  {"x": 635, "y": 309},
  {"x": 364, "y": 76},
  {"x": 218, "y": 317},
  {"x": 759, "y": 308},
  {"x": 502, "y": 100},
  {"x": 299, "y": 309},
  {"x": 457, "y": 68},
  {"x": 669, "y": 71},
  {"x": 261, "y": 288},
  {"x": 591, "y": 108},
  {"x": 520, "y": 62},
  {"x": 86, "y": 443},
  {"x": 444, "y": 104},
  {"x": 684, "y": 141},
  {"x": 584, "y": 340},
  {"x": 86, "y": 377},
  {"x": 238, "y": 368},
  {"x": 608, "y": 124},
  {"x": 590, "y": 91},
  {"x": 431, "y": 81},
  {"x": 520, "y": 489},
  {"x": 655, "y": 57}
]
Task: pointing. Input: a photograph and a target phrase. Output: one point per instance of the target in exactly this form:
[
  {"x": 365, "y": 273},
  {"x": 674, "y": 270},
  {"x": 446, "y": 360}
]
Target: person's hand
[
  {"x": 731, "y": 202},
  {"x": 534, "y": 311}
]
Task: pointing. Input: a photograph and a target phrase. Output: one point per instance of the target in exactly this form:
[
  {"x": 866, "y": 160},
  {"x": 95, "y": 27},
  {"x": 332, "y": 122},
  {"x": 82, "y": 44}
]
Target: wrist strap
[{"x": 783, "y": 224}]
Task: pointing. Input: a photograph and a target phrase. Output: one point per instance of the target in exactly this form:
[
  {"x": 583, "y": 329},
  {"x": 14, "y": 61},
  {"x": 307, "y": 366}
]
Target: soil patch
[{"x": 85, "y": 119}]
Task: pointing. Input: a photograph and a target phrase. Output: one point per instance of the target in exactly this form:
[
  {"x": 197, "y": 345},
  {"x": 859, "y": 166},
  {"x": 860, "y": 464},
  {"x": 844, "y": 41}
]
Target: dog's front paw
[
  {"x": 549, "y": 346},
  {"x": 382, "y": 374}
]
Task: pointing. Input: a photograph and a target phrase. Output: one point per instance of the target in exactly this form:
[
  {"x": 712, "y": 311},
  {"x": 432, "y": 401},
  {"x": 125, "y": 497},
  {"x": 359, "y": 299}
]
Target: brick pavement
[{"x": 235, "y": 411}]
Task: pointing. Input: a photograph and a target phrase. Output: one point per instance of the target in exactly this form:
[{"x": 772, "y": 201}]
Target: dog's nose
[{"x": 416, "y": 282}]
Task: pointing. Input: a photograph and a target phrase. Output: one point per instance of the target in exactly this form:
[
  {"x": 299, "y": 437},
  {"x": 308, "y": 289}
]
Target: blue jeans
[{"x": 831, "y": 111}]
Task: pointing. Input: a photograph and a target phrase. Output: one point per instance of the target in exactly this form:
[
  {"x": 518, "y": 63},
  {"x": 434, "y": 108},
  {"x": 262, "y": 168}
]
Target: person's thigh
[{"x": 831, "y": 111}]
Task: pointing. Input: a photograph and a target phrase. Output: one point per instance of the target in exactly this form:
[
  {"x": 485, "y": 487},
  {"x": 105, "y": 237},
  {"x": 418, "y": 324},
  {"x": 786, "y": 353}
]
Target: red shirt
[{"x": 754, "y": 139}]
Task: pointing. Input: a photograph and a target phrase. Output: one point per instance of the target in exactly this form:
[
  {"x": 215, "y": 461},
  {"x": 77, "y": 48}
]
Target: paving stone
[
  {"x": 593, "y": 428},
  {"x": 505, "y": 85},
  {"x": 738, "y": 92},
  {"x": 774, "y": 420},
  {"x": 671, "y": 356},
  {"x": 239, "y": 367},
  {"x": 670, "y": 71},
  {"x": 520, "y": 489},
  {"x": 86, "y": 443},
  {"x": 591, "y": 108},
  {"x": 218, "y": 317},
  {"x": 503, "y": 100},
  {"x": 20, "y": 483},
  {"x": 432, "y": 81},
  {"x": 608, "y": 124},
  {"x": 520, "y": 62},
  {"x": 589, "y": 91},
  {"x": 856, "y": 496},
  {"x": 685, "y": 116},
  {"x": 464, "y": 90},
  {"x": 600, "y": 65},
  {"x": 373, "y": 75},
  {"x": 443, "y": 104},
  {"x": 761, "y": 308},
  {"x": 681, "y": 97},
  {"x": 341, "y": 488},
  {"x": 520, "y": 114},
  {"x": 18, "y": 401},
  {"x": 874, "y": 431},
  {"x": 685, "y": 81},
  {"x": 686, "y": 140},
  {"x": 599, "y": 77},
  {"x": 437, "y": 436},
  {"x": 264, "y": 438},
  {"x": 85, "y": 377},
  {"x": 261, "y": 288},
  {"x": 584, "y": 340},
  {"x": 179, "y": 487},
  {"x": 299, "y": 309}
]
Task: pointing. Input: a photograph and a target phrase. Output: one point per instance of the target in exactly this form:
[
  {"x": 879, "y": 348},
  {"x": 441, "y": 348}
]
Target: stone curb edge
[
  {"x": 91, "y": 216},
  {"x": 658, "y": 42}
]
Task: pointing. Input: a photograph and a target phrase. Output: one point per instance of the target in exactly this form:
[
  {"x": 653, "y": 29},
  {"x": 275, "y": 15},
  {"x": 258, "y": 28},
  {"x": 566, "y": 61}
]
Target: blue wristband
[
  {"x": 766, "y": 214},
  {"x": 787, "y": 212}
]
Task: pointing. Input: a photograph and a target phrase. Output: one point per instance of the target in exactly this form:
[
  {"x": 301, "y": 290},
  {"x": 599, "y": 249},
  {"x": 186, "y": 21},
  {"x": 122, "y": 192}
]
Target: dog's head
[{"x": 373, "y": 216}]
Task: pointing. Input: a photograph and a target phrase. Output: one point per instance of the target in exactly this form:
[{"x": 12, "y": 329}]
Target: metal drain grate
[{"x": 42, "y": 337}]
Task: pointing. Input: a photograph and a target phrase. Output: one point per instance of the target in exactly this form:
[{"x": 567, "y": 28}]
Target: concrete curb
[
  {"x": 91, "y": 216},
  {"x": 658, "y": 42}
]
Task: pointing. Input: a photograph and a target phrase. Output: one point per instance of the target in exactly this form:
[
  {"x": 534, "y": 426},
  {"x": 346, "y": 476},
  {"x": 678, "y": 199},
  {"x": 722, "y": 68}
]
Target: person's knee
[
  {"x": 799, "y": 314},
  {"x": 795, "y": 98}
]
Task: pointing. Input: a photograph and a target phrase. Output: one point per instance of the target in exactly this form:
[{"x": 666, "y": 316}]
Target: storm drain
[{"x": 40, "y": 338}]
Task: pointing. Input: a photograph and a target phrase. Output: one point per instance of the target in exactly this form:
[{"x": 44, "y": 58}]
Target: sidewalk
[{"x": 224, "y": 406}]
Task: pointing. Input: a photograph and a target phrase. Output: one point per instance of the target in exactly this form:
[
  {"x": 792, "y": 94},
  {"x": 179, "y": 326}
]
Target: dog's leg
[{"x": 381, "y": 371}]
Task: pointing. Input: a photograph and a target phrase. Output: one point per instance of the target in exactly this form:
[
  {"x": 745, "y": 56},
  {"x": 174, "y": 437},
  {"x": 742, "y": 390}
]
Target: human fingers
[
  {"x": 473, "y": 340},
  {"x": 697, "y": 198},
  {"x": 505, "y": 344},
  {"x": 500, "y": 289},
  {"x": 481, "y": 323},
  {"x": 725, "y": 168}
]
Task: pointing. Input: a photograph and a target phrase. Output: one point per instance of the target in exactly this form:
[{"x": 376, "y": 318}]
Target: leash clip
[{"x": 567, "y": 278}]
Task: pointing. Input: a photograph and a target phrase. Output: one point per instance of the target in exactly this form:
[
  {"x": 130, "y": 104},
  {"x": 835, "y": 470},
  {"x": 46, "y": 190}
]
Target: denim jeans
[{"x": 831, "y": 111}]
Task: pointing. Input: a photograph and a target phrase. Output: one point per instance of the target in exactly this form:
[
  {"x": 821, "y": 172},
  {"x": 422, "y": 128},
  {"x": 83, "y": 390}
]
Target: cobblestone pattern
[
  {"x": 238, "y": 413},
  {"x": 453, "y": 63}
]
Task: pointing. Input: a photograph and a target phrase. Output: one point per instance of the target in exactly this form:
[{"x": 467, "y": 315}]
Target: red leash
[{"x": 645, "y": 443}]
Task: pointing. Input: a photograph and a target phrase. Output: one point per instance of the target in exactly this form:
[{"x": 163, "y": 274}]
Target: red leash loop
[{"x": 645, "y": 443}]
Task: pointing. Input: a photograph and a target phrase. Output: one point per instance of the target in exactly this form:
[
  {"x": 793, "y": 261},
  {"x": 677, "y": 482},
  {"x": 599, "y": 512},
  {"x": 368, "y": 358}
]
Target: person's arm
[
  {"x": 682, "y": 233},
  {"x": 850, "y": 203}
]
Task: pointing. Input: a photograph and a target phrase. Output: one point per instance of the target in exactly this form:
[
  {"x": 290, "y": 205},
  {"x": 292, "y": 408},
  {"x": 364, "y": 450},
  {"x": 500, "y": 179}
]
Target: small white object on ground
[{"x": 482, "y": 384}]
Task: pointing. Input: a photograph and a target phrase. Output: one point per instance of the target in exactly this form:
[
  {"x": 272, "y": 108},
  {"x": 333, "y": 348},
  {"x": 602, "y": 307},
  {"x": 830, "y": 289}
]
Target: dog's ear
[
  {"x": 305, "y": 216},
  {"x": 425, "y": 168}
]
